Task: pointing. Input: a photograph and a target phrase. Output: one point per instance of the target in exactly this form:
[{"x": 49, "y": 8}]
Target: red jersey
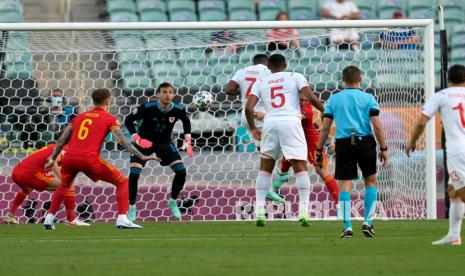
[
  {"x": 307, "y": 121},
  {"x": 37, "y": 159},
  {"x": 89, "y": 131}
]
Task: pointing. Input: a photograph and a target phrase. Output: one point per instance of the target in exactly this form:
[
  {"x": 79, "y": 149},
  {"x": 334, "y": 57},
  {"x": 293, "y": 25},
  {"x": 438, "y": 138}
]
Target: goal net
[{"x": 132, "y": 62}]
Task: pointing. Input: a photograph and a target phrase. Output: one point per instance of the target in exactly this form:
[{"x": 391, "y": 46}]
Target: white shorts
[
  {"x": 258, "y": 124},
  {"x": 456, "y": 167},
  {"x": 286, "y": 136},
  {"x": 347, "y": 35}
]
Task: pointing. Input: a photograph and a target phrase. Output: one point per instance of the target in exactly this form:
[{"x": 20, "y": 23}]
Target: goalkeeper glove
[
  {"x": 143, "y": 143},
  {"x": 188, "y": 145}
]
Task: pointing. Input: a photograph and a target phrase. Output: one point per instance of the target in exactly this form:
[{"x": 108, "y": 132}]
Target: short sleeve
[
  {"x": 329, "y": 110},
  {"x": 373, "y": 103},
  {"x": 301, "y": 81},
  {"x": 237, "y": 76},
  {"x": 432, "y": 105}
]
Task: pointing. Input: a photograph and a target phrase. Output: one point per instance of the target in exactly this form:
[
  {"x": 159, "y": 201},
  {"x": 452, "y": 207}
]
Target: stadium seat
[
  {"x": 162, "y": 57},
  {"x": 458, "y": 29},
  {"x": 11, "y": 11},
  {"x": 454, "y": 16},
  {"x": 181, "y": 5},
  {"x": 241, "y": 5},
  {"x": 386, "y": 8},
  {"x": 211, "y": 5},
  {"x": 453, "y": 4},
  {"x": 116, "y": 6},
  {"x": 203, "y": 82},
  {"x": 242, "y": 15},
  {"x": 302, "y": 10},
  {"x": 457, "y": 56},
  {"x": 124, "y": 17},
  {"x": 367, "y": 7},
  {"x": 212, "y": 16},
  {"x": 268, "y": 9},
  {"x": 420, "y": 5},
  {"x": 151, "y": 5},
  {"x": 458, "y": 42},
  {"x": 192, "y": 55},
  {"x": 153, "y": 16},
  {"x": 183, "y": 16},
  {"x": 135, "y": 75}
]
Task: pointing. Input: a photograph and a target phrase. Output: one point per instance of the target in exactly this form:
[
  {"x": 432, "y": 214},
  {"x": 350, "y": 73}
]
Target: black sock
[
  {"x": 134, "y": 174},
  {"x": 178, "y": 180}
]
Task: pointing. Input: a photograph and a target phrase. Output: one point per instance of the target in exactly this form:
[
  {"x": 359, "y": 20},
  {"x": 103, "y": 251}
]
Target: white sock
[
  {"x": 49, "y": 218},
  {"x": 262, "y": 186},
  {"x": 303, "y": 185},
  {"x": 456, "y": 210}
]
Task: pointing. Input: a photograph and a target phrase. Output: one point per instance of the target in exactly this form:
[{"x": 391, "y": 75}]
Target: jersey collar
[{"x": 164, "y": 111}]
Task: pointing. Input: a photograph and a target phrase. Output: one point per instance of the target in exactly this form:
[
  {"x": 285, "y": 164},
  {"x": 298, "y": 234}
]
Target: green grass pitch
[{"x": 229, "y": 248}]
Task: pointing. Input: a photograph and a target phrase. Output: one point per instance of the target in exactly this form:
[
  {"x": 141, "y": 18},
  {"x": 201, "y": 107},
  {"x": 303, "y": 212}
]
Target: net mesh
[{"x": 220, "y": 177}]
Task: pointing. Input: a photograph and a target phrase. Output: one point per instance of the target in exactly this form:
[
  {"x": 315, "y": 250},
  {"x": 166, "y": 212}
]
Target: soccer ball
[{"x": 203, "y": 100}]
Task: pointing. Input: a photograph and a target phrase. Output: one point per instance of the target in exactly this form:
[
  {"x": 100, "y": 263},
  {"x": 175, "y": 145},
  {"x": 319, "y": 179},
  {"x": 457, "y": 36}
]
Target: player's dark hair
[
  {"x": 100, "y": 95},
  {"x": 276, "y": 61},
  {"x": 351, "y": 74},
  {"x": 456, "y": 74},
  {"x": 164, "y": 85},
  {"x": 260, "y": 59}
]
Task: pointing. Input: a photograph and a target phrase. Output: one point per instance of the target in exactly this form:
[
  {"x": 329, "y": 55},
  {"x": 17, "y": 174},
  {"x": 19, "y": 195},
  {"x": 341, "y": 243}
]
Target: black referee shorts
[
  {"x": 167, "y": 152},
  {"x": 348, "y": 156}
]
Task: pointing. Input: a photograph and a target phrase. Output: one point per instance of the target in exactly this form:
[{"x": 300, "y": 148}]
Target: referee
[{"x": 353, "y": 110}]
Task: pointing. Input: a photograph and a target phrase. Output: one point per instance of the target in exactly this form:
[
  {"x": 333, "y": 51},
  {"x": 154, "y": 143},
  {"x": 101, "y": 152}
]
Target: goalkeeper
[{"x": 157, "y": 119}]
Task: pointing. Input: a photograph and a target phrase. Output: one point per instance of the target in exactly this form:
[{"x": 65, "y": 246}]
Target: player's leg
[
  {"x": 323, "y": 172},
  {"x": 262, "y": 186},
  {"x": 456, "y": 190},
  {"x": 19, "y": 198},
  {"x": 366, "y": 159},
  {"x": 294, "y": 148},
  {"x": 302, "y": 182},
  {"x": 282, "y": 174},
  {"x": 177, "y": 185},
  {"x": 102, "y": 170},
  {"x": 456, "y": 212},
  {"x": 346, "y": 170},
  {"x": 134, "y": 173}
]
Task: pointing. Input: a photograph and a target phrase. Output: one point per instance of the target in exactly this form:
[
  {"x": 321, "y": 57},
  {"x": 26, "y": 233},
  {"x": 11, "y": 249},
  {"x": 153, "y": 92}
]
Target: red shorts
[
  {"x": 32, "y": 179},
  {"x": 95, "y": 168},
  {"x": 312, "y": 142}
]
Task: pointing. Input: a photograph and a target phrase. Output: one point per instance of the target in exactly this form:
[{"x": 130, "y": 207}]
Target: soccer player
[
  {"x": 282, "y": 131},
  {"x": 311, "y": 136},
  {"x": 154, "y": 136},
  {"x": 29, "y": 174},
  {"x": 241, "y": 84},
  {"x": 450, "y": 102},
  {"x": 84, "y": 137},
  {"x": 353, "y": 110}
]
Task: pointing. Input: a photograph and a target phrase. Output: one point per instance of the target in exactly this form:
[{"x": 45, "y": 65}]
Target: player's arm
[
  {"x": 63, "y": 140},
  {"x": 308, "y": 93},
  {"x": 232, "y": 88},
  {"x": 379, "y": 134},
  {"x": 417, "y": 130},
  {"x": 249, "y": 115},
  {"x": 130, "y": 121},
  {"x": 56, "y": 167},
  {"x": 123, "y": 141},
  {"x": 186, "y": 124}
]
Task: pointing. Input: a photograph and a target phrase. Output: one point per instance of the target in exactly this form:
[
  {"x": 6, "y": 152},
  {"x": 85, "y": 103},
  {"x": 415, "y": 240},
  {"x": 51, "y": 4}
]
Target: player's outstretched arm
[
  {"x": 123, "y": 141},
  {"x": 249, "y": 115},
  {"x": 416, "y": 132},
  {"x": 308, "y": 93},
  {"x": 186, "y": 124},
  {"x": 64, "y": 138},
  {"x": 379, "y": 133}
]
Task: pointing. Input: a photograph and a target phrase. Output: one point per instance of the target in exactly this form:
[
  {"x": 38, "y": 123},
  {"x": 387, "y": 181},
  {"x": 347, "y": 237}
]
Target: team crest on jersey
[{"x": 171, "y": 119}]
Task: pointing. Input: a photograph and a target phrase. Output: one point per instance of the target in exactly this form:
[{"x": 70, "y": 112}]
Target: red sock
[
  {"x": 57, "y": 198},
  {"x": 331, "y": 185},
  {"x": 122, "y": 196},
  {"x": 70, "y": 205},
  {"x": 17, "y": 201},
  {"x": 285, "y": 165}
]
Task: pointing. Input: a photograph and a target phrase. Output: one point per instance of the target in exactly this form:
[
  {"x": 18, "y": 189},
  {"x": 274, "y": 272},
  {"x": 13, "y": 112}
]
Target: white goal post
[{"x": 79, "y": 57}]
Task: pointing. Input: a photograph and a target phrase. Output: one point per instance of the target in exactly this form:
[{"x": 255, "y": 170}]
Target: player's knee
[{"x": 179, "y": 169}]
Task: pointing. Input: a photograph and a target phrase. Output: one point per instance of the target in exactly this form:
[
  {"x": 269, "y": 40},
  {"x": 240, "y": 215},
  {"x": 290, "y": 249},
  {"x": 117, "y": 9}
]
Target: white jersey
[
  {"x": 450, "y": 102},
  {"x": 246, "y": 78},
  {"x": 280, "y": 95}
]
